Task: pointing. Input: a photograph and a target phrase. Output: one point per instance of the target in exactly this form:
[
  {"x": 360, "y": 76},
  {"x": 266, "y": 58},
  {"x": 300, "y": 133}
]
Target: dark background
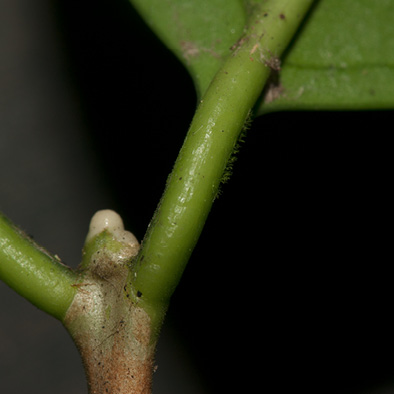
[{"x": 290, "y": 285}]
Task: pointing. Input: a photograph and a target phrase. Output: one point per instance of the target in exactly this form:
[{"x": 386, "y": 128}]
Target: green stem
[
  {"x": 33, "y": 273},
  {"x": 212, "y": 137}
]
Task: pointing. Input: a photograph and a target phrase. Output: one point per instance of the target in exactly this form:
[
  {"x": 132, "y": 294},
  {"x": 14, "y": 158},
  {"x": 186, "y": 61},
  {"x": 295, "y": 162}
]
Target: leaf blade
[
  {"x": 200, "y": 33},
  {"x": 342, "y": 59}
]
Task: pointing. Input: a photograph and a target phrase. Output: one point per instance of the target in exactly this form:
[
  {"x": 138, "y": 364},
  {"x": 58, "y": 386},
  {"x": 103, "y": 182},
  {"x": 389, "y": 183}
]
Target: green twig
[
  {"x": 212, "y": 137},
  {"x": 33, "y": 273}
]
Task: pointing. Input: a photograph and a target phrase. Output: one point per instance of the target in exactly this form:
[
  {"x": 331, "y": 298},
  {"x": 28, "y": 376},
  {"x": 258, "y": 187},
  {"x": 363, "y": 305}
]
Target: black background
[{"x": 290, "y": 285}]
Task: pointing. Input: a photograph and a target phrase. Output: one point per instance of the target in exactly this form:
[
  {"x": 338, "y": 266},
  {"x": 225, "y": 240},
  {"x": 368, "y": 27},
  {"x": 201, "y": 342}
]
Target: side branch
[
  {"x": 33, "y": 272},
  {"x": 212, "y": 137}
]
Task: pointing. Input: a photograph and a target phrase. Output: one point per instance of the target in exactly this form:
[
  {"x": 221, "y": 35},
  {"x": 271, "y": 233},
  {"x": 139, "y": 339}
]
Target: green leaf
[
  {"x": 200, "y": 33},
  {"x": 343, "y": 58}
]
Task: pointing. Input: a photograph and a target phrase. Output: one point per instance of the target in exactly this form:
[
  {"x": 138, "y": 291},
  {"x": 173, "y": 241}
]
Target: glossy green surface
[
  {"x": 342, "y": 59},
  {"x": 200, "y": 33}
]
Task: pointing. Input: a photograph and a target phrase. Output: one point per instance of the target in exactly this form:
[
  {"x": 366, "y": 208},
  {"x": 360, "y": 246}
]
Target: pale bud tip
[{"x": 109, "y": 220}]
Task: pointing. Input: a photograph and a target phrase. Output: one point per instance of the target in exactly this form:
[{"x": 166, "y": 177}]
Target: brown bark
[
  {"x": 112, "y": 333},
  {"x": 114, "y": 340}
]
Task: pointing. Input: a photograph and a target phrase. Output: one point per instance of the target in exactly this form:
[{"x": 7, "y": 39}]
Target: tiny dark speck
[
  {"x": 139, "y": 294},
  {"x": 282, "y": 16}
]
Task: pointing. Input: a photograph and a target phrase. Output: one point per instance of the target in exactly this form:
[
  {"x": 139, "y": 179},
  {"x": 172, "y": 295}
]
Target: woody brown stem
[
  {"x": 112, "y": 332},
  {"x": 116, "y": 349}
]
